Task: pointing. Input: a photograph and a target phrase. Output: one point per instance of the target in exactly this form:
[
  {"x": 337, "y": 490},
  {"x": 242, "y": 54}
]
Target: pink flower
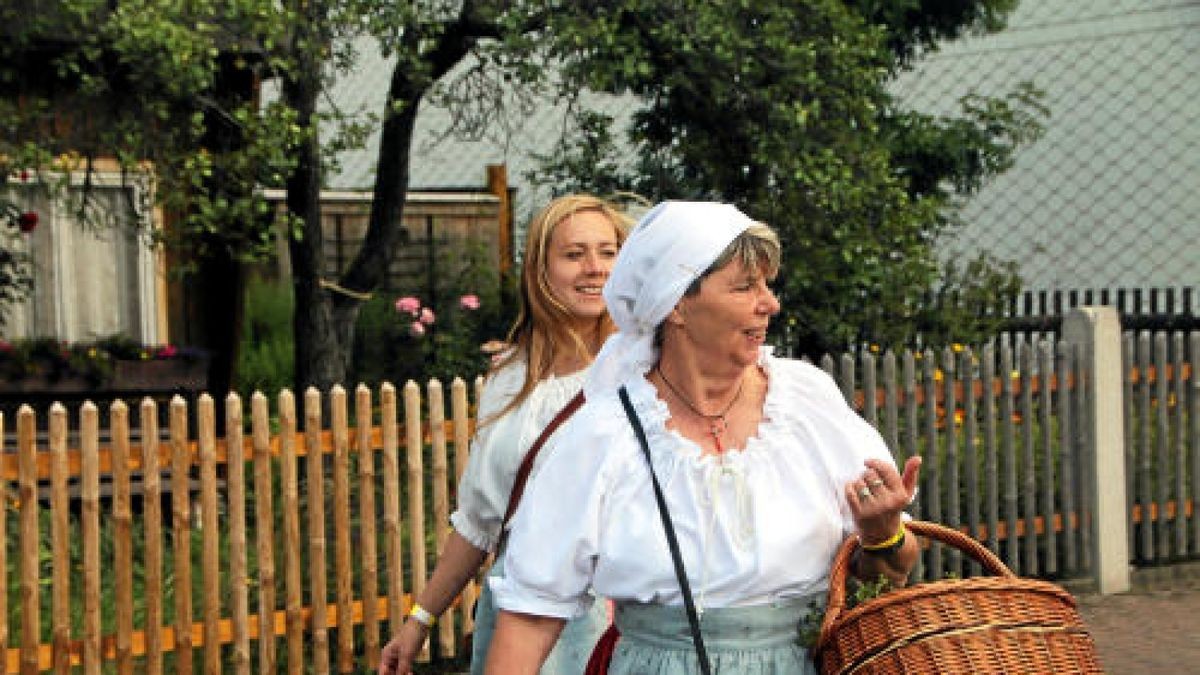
[
  {"x": 469, "y": 302},
  {"x": 427, "y": 316},
  {"x": 166, "y": 352},
  {"x": 416, "y": 329},
  {"x": 408, "y": 304}
]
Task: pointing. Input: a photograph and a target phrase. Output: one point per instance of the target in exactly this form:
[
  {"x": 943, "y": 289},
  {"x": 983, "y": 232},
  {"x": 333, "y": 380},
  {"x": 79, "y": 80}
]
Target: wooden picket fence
[
  {"x": 292, "y": 543},
  {"x": 305, "y": 476}
]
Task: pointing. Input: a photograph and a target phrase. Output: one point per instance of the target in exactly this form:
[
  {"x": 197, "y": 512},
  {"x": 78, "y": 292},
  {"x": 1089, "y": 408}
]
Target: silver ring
[
  {"x": 864, "y": 492},
  {"x": 874, "y": 483}
]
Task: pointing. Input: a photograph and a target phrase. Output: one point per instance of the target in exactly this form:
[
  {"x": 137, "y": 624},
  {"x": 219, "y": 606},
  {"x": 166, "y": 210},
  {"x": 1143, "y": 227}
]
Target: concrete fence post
[{"x": 1097, "y": 333}]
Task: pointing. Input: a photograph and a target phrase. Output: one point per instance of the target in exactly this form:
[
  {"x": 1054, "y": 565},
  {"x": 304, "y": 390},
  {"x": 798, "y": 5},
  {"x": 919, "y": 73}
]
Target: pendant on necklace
[{"x": 717, "y": 427}]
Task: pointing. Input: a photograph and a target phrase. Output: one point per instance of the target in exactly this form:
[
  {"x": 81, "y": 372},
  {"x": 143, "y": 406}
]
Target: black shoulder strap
[{"x": 672, "y": 542}]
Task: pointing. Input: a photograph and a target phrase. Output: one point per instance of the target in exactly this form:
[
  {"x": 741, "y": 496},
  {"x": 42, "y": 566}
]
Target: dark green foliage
[
  {"x": 784, "y": 110},
  {"x": 266, "y": 361}
]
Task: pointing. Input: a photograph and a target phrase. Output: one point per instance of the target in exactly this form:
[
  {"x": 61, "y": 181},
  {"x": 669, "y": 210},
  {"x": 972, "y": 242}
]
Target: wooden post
[
  {"x": 497, "y": 181},
  {"x": 1097, "y": 332}
]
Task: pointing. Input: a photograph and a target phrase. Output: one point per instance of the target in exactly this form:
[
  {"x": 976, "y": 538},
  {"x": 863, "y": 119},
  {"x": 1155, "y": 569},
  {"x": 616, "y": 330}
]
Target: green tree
[
  {"x": 166, "y": 89},
  {"x": 783, "y": 109}
]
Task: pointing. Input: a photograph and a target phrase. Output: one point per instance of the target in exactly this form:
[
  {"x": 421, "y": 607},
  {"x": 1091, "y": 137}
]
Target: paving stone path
[{"x": 1146, "y": 631}]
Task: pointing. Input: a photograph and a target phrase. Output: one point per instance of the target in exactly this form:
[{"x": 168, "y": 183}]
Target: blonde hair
[
  {"x": 543, "y": 329},
  {"x": 756, "y": 248}
]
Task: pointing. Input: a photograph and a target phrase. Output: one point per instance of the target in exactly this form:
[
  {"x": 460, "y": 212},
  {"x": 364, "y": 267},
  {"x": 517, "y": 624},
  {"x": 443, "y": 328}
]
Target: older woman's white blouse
[
  {"x": 499, "y": 447},
  {"x": 758, "y": 525}
]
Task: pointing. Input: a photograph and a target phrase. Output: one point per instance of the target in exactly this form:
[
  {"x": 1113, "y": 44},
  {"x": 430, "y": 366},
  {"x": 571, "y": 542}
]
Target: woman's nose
[
  {"x": 592, "y": 264},
  {"x": 770, "y": 302}
]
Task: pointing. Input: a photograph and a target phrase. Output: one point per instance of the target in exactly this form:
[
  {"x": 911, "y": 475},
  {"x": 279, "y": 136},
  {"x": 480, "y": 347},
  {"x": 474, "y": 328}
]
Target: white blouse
[
  {"x": 755, "y": 526},
  {"x": 499, "y": 447}
]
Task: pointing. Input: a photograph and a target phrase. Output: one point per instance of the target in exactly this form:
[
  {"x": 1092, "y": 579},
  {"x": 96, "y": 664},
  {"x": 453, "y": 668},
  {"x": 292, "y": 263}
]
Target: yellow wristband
[
  {"x": 892, "y": 542},
  {"x": 422, "y": 615}
]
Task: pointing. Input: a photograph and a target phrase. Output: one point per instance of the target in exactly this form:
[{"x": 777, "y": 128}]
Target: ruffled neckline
[{"x": 670, "y": 446}]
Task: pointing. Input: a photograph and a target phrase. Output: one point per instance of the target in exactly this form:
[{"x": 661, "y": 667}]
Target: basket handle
[{"x": 836, "y": 602}]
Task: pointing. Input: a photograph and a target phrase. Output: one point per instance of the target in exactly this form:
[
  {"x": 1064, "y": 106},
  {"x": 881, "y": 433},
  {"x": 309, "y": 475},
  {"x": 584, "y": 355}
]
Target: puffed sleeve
[
  {"x": 484, "y": 487},
  {"x": 843, "y": 439},
  {"x": 555, "y": 535}
]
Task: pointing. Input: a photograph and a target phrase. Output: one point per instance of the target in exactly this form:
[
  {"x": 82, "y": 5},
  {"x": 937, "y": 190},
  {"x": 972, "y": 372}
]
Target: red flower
[
  {"x": 27, "y": 221},
  {"x": 166, "y": 352}
]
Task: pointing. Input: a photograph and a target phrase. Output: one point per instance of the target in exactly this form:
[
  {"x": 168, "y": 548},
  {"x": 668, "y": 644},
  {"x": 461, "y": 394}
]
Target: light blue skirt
[
  {"x": 759, "y": 640},
  {"x": 569, "y": 656}
]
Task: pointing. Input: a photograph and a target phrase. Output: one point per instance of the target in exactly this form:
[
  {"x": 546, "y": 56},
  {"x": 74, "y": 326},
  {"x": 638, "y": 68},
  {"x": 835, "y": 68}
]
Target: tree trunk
[
  {"x": 320, "y": 358},
  {"x": 325, "y": 313}
]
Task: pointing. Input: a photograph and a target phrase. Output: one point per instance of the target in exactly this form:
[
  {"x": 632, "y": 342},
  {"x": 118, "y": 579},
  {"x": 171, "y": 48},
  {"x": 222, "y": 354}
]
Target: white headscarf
[{"x": 669, "y": 248}]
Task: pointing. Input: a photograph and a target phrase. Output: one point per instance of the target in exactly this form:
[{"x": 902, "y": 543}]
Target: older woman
[{"x": 761, "y": 466}]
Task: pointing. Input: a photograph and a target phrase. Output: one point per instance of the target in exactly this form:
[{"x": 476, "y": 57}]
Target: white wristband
[{"x": 421, "y": 615}]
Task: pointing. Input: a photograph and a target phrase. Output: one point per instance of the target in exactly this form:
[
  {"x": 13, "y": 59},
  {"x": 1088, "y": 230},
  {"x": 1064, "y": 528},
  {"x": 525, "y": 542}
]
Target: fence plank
[
  {"x": 1162, "y": 443},
  {"x": 891, "y": 413},
  {"x": 30, "y": 536},
  {"x": 1047, "y": 483},
  {"x": 60, "y": 536},
  {"x": 343, "y": 591},
  {"x": 1009, "y": 454},
  {"x": 1128, "y": 353},
  {"x": 1176, "y": 409},
  {"x": 1028, "y": 459},
  {"x": 952, "y": 459},
  {"x": 462, "y": 443},
  {"x": 416, "y": 492},
  {"x": 932, "y": 476},
  {"x": 987, "y": 362},
  {"x": 394, "y": 554},
  {"x": 1194, "y": 415},
  {"x": 318, "y": 563},
  {"x": 368, "y": 537},
  {"x": 870, "y": 390},
  {"x": 846, "y": 378},
  {"x": 264, "y": 528},
  {"x": 206, "y": 432},
  {"x": 1145, "y": 453},
  {"x": 289, "y": 480},
  {"x": 439, "y": 475},
  {"x": 971, "y": 454},
  {"x": 181, "y": 526},
  {"x": 89, "y": 424},
  {"x": 1067, "y": 461},
  {"x": 912, "y": 430},
  {"x": 152, "y": 520},
  {"x": 239, "y": 593},
  {"x": 122, "y": 518}
]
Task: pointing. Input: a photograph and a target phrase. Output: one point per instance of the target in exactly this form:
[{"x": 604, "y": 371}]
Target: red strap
[
  {"x": 514, "y": 498},
  {"x": 602, "y": 653}
]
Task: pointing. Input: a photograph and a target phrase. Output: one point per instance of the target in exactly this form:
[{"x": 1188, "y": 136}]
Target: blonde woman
[{"x": 569, "y": 250}]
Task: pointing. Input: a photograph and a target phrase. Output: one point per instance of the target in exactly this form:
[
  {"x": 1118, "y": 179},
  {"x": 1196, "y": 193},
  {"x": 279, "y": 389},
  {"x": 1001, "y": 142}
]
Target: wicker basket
[{"x": 983, "y": 625}]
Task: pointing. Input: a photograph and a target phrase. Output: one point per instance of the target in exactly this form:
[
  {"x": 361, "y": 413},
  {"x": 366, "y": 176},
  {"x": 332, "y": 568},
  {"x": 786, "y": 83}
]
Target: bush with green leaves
[
  {"x": 265, "y": 360},
  {"x": 445, "y": 332}
]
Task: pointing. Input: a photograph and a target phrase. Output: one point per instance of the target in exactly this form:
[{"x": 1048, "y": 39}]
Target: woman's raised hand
[{"x": 879, "y": 495}]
